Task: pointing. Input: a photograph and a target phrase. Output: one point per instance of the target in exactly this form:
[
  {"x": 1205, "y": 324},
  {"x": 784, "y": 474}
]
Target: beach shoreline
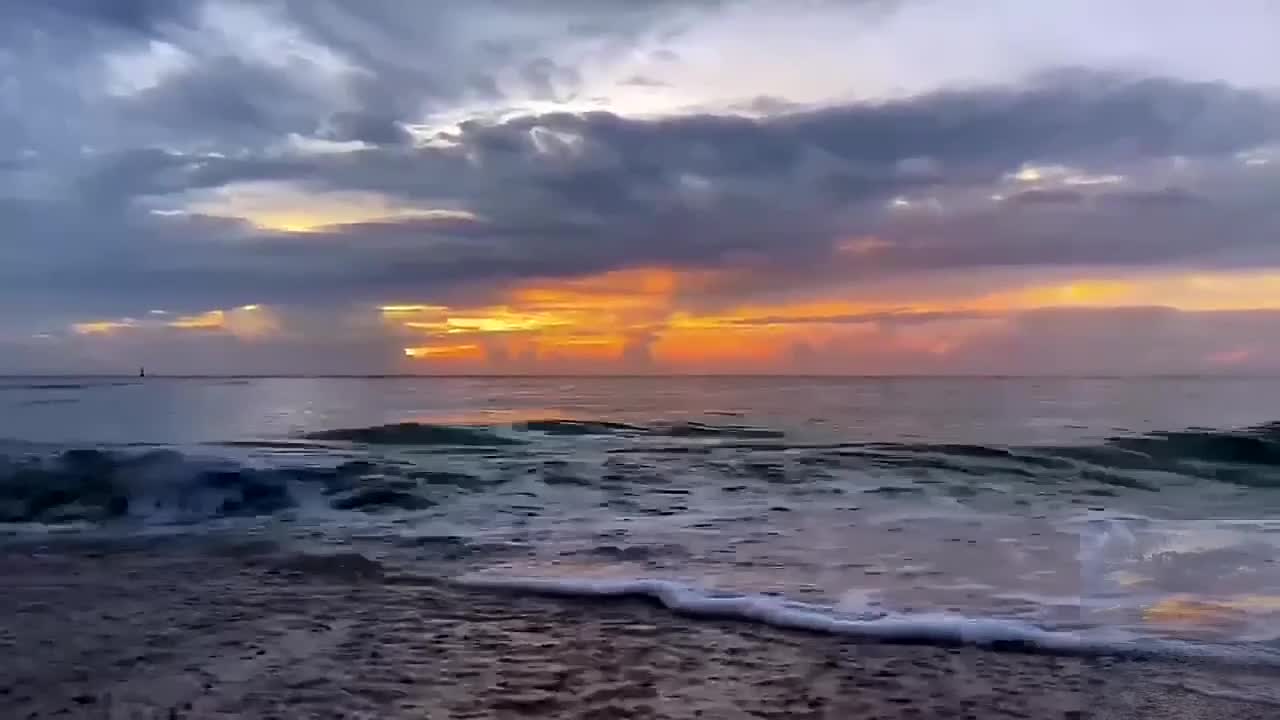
[{"x": 216, "y": 628}]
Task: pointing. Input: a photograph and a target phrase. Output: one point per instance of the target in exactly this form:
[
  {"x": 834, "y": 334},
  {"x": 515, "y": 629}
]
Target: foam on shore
[{"x": 906, "y": 628}]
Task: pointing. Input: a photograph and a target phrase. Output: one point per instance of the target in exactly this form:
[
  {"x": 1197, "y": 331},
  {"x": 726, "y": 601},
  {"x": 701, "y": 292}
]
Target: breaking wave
[
  {"x": 410, "y": 433},
  {"x": 1249, "y": 457},
  {"x": 580, "y": 427},
  {"x": 904, "y": 628},
  {"x": 1210, "y": 454},
  {"x": 166, "y": 486},
  {"x": 413, "y": 433},
  {"x": 97, "y": 485},
  {"x": 667, "y": 430}
]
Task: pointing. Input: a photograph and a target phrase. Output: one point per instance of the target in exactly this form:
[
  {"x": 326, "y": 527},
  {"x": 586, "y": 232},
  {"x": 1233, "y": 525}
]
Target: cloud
[
  {"x": 1131, "y": 341},
  {"x": 81, "y": 19},
  {"x": 330, "y": 155},
  {"x": 565, "y": 194}
]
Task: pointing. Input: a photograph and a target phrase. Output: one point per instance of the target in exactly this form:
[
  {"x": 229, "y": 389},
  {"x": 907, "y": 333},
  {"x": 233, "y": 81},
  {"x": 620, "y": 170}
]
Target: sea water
[{"x": 1065, "y": 515}]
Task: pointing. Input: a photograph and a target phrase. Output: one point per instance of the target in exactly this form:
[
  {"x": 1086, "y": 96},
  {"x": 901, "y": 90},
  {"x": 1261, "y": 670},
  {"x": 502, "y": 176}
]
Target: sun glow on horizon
[
  {"x": 444, "y": 352},
  {"x": 642, "y": 316},
  {"x": 667, "y": 320},
  {"x": 245, "y": 321}
]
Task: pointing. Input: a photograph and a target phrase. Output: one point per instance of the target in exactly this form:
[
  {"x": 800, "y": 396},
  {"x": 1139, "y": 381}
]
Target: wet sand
[{"x": 207, "y": 629}]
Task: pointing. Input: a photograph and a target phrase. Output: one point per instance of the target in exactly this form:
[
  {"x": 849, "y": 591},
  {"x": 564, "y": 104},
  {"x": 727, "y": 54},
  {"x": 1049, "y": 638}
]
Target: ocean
[{"x": 1079, "y": 516}]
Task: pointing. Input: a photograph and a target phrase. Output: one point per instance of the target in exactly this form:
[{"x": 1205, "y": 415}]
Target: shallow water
[{"x": 1121, "y": 509}]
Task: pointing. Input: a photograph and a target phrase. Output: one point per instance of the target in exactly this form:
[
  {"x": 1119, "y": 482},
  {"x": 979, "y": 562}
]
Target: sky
[{"x": 608, "y": 186}]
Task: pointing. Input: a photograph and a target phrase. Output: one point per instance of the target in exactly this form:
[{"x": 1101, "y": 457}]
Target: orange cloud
[
  {"x": 661, "y": 318},
  {"x": 862, "y": 246},
  {"x": 445, "y": 352},
  {"x": 104, "y": 327},
  {"x": 289, "y": 208},
  {"x": 1232, "y": 358},
  {"x": 212, "y": 320},
  {"x": 1181, "y": 291},
  {"x": 246, "y": 322},
  {"x": 592, "y": 319}
]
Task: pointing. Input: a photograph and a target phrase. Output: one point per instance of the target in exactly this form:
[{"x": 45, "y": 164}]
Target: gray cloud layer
[
  {"x": 216, "y": 92},
  {"x": 563, "y": 194}
]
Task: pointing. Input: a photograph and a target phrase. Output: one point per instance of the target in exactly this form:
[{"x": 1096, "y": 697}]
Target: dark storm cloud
[
  {"x": 1162, "y": 198},
  {"x": 232, "y": 100},
  {"x": 1063, "y": 228},
  {"x": 605, "y": 163},
  {"x": 555, "y": 194},
  {"x": 1048, "y": 197},
  {"x": 369, "y": 128},
  {"x": 344, "y": 70},
  {"x": 564, "y": 194},
  {"x": 231, "y": 75}
]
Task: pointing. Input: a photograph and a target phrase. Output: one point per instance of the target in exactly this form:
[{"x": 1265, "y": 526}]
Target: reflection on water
[{"x": 1204, "y": 579}]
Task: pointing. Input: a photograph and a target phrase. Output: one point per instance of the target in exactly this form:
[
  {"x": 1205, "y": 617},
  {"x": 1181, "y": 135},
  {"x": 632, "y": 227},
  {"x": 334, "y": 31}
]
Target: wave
[
  {"x": 270, "y": 444},
  {"x": 580, "y": 427},
  {"x": 904, "y": 628},
  {"x": 1178, "y": 450},
  {"x": 12, "y": 386},
  {"x": 1209, "y": 454},
  {"x": 98, "y": 486},
  {"x": 1249, "y": 457},
  {"x": 411, "y": 433},
  {"x": 704, "y": 430},
  {"x": 51, "y": 401},
  {"x": 688, "y": 429}
]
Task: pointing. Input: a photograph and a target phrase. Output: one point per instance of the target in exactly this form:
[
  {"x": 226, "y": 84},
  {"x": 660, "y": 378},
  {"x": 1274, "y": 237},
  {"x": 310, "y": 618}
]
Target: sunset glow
[
  {"x": 102, "y": 327},
  {"x": 246, "y": 322},
  {"x": 293, "y": 208},
  {"x": 554, "y": 208},
  {"x": 613, "y": 317},
  {"x": 344, "y": 344}
]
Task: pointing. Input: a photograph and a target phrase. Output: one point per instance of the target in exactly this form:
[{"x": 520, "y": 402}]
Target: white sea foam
[{"x": 942, "y": 629}]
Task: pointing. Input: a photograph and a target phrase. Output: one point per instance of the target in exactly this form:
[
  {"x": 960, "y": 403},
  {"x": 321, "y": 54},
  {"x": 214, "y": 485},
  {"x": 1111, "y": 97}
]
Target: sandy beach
[{"x": 209, "y": 629}]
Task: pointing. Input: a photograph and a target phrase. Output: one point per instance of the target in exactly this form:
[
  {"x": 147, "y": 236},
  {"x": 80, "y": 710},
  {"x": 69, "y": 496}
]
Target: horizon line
[{"x": 727, "y": 375}]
